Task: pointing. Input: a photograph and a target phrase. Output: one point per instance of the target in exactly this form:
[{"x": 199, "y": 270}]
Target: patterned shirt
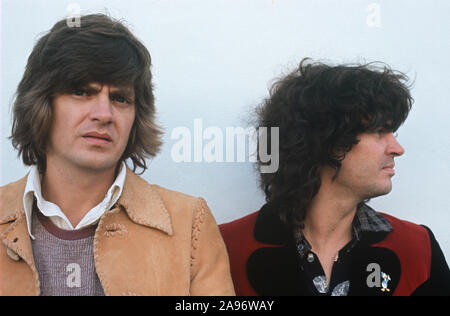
[{"x": 366, "y": 220}]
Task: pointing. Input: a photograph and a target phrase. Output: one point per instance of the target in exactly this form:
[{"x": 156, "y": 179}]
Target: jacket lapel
[
  {"x": 18, "y": 272},
  {"x": 125, "y": 248},
  {"x": 144, "y": 205},
  {"x": 369, "y": 266},
  {"x": 274, "y": 270}
]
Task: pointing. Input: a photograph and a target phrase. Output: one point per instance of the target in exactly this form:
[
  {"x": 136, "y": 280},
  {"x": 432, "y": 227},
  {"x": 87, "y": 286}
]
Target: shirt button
[{"x": 310, "y": 258}]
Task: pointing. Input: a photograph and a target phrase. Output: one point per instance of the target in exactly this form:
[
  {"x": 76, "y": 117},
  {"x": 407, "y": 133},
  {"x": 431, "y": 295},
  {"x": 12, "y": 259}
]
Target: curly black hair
[{"x": 319, "y": 110}]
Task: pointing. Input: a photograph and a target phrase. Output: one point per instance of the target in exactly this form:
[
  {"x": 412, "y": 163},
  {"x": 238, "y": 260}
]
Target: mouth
[
  {"x": 389, "y": 169},
  {"x": 98, "y": 138}
]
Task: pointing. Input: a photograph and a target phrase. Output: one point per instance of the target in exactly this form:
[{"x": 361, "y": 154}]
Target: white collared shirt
[{"x": 54, "y": 213}]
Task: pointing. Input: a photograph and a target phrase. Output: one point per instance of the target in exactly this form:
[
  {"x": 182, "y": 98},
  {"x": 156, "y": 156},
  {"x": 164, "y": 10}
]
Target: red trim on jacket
[
  {"x": 240, "y": 242},
  {"x": 410, "y": 242}
]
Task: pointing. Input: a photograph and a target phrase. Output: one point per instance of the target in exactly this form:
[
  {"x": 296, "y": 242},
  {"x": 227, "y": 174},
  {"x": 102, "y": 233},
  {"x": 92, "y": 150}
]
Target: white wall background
[{"x": 215, "y": 59}]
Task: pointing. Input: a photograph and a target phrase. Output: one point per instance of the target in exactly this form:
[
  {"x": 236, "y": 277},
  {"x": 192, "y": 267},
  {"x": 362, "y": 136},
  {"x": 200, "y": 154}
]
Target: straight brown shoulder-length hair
[{"x": 100, "y": 50}]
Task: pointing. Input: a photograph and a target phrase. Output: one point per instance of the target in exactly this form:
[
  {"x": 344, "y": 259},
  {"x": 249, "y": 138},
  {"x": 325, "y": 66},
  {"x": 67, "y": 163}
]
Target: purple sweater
[{"x": 64, "y": 259}]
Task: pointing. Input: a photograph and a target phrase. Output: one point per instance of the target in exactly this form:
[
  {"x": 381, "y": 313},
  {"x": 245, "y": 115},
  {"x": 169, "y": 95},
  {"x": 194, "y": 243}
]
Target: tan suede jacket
[{"x": 155, "y": 242}]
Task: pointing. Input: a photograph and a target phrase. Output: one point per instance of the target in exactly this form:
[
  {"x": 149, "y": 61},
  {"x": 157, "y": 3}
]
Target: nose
[
  {"x": 101, "y": 109},
  {"x": 394, "y": 148}
]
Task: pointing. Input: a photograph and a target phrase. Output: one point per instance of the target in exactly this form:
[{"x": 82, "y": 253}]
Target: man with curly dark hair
[{"x": 316, "y": 235}]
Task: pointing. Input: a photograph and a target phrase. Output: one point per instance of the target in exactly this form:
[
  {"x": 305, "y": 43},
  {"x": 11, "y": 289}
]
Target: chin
[
  {"x": 379, "y": 190},
  {"x": 97, "y": 164},
  {"x": 382, "y": 192}
]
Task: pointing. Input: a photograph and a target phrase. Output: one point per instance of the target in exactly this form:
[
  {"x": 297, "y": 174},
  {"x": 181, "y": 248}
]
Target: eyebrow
[
  {"x": 123, "y": 91},
  {"x": 93, "y": 88}
]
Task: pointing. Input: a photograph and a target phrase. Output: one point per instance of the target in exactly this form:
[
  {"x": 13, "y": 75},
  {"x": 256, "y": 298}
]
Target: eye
[
  {"x": 83, "y": 91},
  {"x": 120, "y": 99},
  {"x": 80, "y": 93}
]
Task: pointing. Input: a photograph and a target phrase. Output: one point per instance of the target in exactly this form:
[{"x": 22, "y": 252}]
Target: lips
[
  {"x": 98, "y": 138},
  {"x": 390, "y": 169}
]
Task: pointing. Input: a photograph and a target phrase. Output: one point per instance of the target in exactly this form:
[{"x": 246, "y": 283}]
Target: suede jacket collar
[{"x": 154, "y": 216}]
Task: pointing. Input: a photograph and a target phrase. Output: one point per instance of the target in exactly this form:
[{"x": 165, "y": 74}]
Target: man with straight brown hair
[{"x": 82, "y": 222}]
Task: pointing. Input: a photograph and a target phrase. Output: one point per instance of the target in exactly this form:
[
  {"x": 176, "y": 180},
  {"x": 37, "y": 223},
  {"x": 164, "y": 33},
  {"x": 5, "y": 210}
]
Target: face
[
  {"x": 368, "y": 168},
  {"x": 91, "y": 126}
]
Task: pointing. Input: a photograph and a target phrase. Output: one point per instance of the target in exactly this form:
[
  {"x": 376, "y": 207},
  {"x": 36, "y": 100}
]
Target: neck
[
  {"x": 75, "y": 190},
  {"x": 328, "y": 222},
  {"x": 329, "y": 225}
]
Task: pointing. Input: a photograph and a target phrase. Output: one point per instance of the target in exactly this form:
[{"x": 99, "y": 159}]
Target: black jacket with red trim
[{"x": 264, "y": 260}]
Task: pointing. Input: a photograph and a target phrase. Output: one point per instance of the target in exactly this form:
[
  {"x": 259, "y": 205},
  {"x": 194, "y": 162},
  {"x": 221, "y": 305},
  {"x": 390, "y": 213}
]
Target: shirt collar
[
  {"x": 33, "y": 191},
  {"x": 368, "y": 220}
]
